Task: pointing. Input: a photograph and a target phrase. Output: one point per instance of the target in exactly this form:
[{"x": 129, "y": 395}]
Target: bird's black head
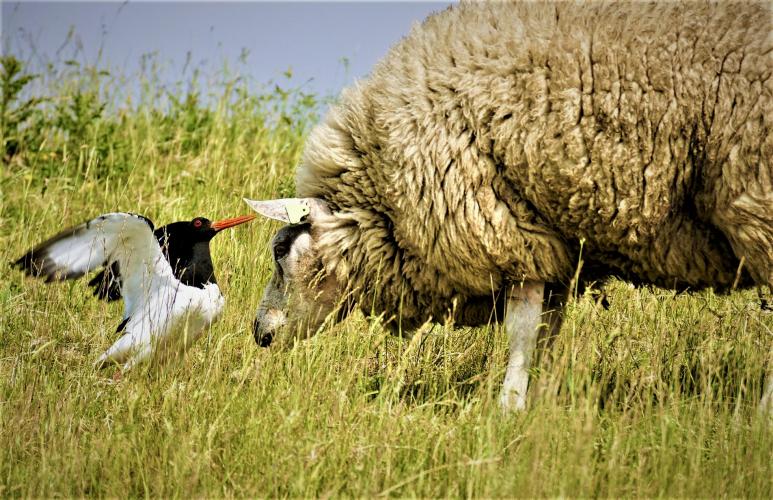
[
  {"x": 201, "y": 229},
  {"x": 186, "y": 246}
]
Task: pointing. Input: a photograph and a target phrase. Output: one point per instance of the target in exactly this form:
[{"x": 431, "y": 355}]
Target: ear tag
[{"x": 297, "y": 211}]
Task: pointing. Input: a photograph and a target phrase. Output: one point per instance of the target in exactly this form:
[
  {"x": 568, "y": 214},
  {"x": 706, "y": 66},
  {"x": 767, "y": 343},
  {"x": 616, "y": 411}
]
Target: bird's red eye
[{"x": 197, "y": 223}]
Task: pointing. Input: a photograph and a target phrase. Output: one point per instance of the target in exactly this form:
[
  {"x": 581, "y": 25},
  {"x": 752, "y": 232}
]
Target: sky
[{"x": 313, "y": 39}]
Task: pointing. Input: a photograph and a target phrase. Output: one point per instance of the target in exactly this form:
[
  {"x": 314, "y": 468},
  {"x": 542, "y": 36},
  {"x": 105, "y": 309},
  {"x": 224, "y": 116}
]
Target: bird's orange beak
[{"x": 226, "y": 223}]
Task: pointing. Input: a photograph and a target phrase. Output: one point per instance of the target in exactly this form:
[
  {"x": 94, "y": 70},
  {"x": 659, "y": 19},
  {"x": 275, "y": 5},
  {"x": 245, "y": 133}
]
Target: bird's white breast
[
  {"x": 176, "y": 315},
  {"x": 195, "y": 310}
]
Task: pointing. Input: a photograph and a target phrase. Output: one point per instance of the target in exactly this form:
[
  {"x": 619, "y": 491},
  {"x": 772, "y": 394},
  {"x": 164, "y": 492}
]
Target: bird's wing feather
[
  {"x": 107, "y": 283},
  {"x": 122, "y": 238}
]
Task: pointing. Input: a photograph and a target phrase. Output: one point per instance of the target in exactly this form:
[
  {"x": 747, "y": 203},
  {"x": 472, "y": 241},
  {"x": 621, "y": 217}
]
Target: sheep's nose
[{"x": 262, "y": 336}]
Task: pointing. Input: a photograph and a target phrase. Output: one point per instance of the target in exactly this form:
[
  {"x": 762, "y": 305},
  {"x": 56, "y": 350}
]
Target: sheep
[{"x": 497, "y": 141}]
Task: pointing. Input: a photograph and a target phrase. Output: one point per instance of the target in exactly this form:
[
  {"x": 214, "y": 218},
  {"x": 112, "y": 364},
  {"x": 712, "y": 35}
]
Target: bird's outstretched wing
[
  {"x": 107, "y": 283},
  {"x": 116, "y": 239}
]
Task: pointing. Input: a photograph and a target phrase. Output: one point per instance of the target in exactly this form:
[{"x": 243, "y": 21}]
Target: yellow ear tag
[{"x": 297, "y": 211}]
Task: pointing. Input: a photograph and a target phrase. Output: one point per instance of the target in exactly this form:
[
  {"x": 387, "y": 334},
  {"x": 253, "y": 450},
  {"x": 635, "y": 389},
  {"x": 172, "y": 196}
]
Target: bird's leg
[{"x": 522, "y": 322}]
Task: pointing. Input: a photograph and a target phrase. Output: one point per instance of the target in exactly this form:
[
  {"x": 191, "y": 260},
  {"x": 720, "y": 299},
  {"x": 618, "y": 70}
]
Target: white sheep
[{"x": 495, "y": 138}]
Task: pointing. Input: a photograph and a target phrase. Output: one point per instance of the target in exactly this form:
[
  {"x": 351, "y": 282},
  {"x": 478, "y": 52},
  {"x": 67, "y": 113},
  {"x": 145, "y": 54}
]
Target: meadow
[{"x": 655, "y": 395}]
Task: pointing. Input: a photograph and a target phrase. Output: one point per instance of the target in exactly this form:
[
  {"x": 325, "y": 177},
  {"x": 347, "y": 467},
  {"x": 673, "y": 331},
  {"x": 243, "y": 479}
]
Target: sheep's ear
[{"x": 290, "y": 210}]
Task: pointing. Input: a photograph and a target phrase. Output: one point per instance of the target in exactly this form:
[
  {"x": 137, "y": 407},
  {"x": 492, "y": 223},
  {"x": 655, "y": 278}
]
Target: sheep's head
[{"x": 299, "y": 296}]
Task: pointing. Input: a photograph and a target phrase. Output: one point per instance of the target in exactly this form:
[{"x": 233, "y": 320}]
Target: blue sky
[{"x": 311, "y": 38}]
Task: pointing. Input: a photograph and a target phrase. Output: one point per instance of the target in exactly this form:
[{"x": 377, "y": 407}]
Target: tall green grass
[{"x": 655, "y": 396}]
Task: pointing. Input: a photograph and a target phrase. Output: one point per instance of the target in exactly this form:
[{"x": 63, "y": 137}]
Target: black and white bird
[{"x": 165, "y": 277}]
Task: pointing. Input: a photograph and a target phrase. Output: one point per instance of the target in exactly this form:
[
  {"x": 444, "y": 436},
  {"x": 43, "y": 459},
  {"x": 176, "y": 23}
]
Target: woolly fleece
[{"x": 494, "y": 138}]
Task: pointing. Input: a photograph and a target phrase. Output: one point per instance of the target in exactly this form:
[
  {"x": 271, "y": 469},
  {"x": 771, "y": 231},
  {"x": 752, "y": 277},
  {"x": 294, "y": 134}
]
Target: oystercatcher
[{"x": 165, "y": 277}]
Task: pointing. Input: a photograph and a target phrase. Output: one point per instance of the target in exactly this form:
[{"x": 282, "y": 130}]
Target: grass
[{"x": 655, "y": 396}]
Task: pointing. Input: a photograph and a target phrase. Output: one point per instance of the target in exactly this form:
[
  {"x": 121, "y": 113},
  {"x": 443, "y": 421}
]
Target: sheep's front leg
[{"x": 522, "y": 322}]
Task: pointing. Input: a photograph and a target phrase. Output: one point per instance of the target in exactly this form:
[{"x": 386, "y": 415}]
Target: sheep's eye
[{"x": 281, "y": 250}]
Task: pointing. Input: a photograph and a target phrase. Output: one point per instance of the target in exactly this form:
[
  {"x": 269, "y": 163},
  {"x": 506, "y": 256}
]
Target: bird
[{"x": 165, "y": 277}]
